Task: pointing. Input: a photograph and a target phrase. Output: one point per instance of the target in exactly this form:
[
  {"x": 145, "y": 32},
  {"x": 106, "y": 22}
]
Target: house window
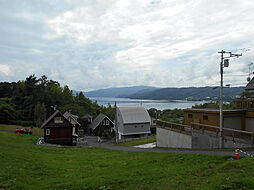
[
  {"x": 107, "y": 122},
  {"x": 47, "y": 131},
  {"x": 189, "y": 115},
  {"x": 142, "y": 126},
  {"x": 58, "y": 120},
  {"x": 205, "y": 117},
  {"x": 135, "y": 126}
]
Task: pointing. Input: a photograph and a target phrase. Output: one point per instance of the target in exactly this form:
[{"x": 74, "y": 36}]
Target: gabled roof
[
  {"x": 250, "y": 85},
  {"x": 52, "y": 117},
  {"x": 134, "y": 114},
  {"x": 74, "y": 118},
  {"x": 98, "y": 120},
  {"x": 87, "y": 116}
]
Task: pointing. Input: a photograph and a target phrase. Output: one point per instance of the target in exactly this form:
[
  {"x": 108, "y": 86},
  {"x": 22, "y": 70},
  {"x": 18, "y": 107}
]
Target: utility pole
[
  {"x": 223, "y": 63},
  {"x": 248, "y": 79}
]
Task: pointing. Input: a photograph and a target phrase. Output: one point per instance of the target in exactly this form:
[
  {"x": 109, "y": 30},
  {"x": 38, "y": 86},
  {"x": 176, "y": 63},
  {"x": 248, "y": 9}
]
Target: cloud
[
  {"x": 95, "y": 44},
  {"x": 5, "y": 69}
]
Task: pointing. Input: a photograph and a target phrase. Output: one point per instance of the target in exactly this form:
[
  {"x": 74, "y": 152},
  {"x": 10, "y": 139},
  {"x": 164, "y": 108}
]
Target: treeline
[
  {"x": 29, "y": 102},
  {"x": 174, "y": 115}
]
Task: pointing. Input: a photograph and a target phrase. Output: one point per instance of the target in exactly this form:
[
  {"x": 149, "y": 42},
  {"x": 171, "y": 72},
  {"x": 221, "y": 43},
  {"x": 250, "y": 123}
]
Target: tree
[
  {"x": 7, "y": 111},
  {"x": 39, "y": 113}
]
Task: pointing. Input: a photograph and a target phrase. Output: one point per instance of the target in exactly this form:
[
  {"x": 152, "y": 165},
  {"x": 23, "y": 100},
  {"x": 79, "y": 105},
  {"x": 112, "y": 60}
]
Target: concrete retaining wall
[
  {"x": 168, "y": 138},
  {"x": 173, "y": 139}
]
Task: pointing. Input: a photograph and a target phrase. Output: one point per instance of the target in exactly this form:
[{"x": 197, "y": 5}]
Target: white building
[{"x": 132, "y": 122}]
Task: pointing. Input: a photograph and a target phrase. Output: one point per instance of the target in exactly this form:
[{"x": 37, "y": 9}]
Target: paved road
[{"x": 92, "y": 141}]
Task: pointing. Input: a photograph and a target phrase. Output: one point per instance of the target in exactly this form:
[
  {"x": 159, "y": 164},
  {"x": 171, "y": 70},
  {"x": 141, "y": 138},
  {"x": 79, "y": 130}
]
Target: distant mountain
[
  {"x": 119, "y": 92},
  {"x": 191, "y": 93}
]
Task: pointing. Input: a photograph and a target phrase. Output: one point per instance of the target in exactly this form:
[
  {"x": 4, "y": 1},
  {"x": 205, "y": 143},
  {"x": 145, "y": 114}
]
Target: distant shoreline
[{"x": 157, "y": 104}]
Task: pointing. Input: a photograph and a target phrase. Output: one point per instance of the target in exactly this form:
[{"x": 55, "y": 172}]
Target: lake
[{"x": 158, "y": 104}]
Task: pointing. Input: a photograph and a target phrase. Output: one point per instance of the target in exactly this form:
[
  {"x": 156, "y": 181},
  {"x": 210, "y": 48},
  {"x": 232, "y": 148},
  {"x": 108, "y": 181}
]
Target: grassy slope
[
  {"x": 138, "y": 142},
  {"x": 36, "y": 130},
  {"x": 25, "y": 165}
]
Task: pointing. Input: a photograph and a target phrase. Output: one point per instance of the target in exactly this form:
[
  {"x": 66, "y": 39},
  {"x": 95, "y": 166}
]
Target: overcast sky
[{"x": 93, "y": 44}]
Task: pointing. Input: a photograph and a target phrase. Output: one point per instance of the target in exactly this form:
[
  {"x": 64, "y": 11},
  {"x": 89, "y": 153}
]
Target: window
[
  {"x": 205, "y": 117},
  {"x": 142, "y": 126},
  {"x": 107, "y": 122},
  {"x": 47, "y": 131},
  {"x": 189, "y": 115},
  {"x": 58, "y": 120}
]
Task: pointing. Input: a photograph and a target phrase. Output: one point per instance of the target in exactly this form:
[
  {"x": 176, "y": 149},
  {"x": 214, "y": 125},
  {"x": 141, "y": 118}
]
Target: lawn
[
  {"x": 138, "y": 142},
  {"x": 36, "y": 130},
  {"x": 25, "y": 165}
]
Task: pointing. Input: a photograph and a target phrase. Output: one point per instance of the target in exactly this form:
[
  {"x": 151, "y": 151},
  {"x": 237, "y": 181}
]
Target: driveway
[{"x": 92, "y": 141}]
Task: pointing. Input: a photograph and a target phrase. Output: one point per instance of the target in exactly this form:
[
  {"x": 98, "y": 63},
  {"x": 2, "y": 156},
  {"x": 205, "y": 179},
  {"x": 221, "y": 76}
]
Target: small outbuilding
[
  {"x": 132, "y": 122},
  {"x": 59, "y": 130},
  {"x": 101, "y": 125}
]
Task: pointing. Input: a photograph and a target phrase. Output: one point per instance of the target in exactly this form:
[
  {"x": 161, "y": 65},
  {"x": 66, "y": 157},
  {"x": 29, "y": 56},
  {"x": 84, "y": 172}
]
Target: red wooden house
[{"x": 59, "y": 130}]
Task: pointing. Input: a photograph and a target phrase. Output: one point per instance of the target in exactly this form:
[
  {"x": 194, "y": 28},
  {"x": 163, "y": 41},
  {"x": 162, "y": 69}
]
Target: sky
[{"x": 94, "y": 44}]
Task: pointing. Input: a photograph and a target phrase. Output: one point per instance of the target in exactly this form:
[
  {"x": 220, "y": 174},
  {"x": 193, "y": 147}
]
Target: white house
[{"x": 132, "y": 122}]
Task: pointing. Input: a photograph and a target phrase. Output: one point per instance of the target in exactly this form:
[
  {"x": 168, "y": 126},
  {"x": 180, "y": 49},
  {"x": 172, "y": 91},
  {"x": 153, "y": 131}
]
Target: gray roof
[
  {"x": 134, "y": 114},
  {"x": 98, "y": 120},
  {"x": 250, "y": 85},
  {"x": 74, "y": 118}
]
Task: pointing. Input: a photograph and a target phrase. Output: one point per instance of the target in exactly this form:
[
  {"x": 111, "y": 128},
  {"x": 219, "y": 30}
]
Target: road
[{"x": 92, "y": 142}]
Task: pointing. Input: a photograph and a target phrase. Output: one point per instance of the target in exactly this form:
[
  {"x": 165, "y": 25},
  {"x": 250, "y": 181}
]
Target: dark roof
[
  {"x": 52, "y": 116},
  {"x": 98, "y": 120},
  {"x": 250, "y": 85}
]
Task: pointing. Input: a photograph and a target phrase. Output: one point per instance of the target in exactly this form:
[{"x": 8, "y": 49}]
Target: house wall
[
  {"x": 64, "y": 123},
  {"x": 60, "y": 132},
  {"x": 250, "y": 124},
  {"x": 59, "y": 135},
  {"x": 136, "y": 128},
  {"x": 104, "y": 127},
  {"x": 232, "y": 122},
  {"x": 197, "y": 117}
]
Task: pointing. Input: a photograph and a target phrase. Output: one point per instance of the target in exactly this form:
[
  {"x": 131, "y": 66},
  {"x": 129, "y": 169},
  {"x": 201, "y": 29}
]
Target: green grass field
[
  {"x": 138, "y": 142},
  {"x": 24, "y": 165},
  {"x": 36, "y": 130}
]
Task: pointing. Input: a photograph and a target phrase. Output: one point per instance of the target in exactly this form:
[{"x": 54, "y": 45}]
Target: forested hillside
[
  {"x": 31, "y": 101},
  {"x": 119, "y": 92},
  {"x": 191, "y": 93}
]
